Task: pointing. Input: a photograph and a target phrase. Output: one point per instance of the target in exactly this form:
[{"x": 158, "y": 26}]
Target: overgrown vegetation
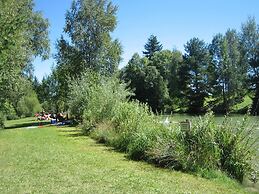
[
  {"x": 59, "y": 160},
  {"x": 2, "y": 119},
  {"x": 132, "y": 127}
]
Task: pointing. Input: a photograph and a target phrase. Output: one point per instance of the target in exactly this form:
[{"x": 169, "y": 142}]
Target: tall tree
[
  {"x": 167, "y": 63},
  {"x": 152, "y": 46},
  {"x": 230, "y": 72},
  {"x": 250, "y": 49},
  {"x": 146, "y": 82},
  {"x": 23, "y": 35},
  {"x": 89, "y": 24},
  {"x": 197, "y": 61}
]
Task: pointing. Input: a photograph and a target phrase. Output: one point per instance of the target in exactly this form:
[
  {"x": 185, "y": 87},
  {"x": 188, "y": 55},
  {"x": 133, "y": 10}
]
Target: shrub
[
  {"x": 93, "y": 98},
  {"x": 238, "y": 146},
  {"x": 9, "y": 111},
  {"x": 104, "y": 133},
  {"x": 201, "y": 150},
  {"x": 167, "y": 150},
  {"x": 79, "y": 95},
  {"x": 207, "y": 148},
  {"x": 2, "y": 120},
  {"x": 28, "y": 105},
  {"x": 134, "y": 123},
  {"x": 132, "y": 127},
  {"x": 102, "y": 100}
]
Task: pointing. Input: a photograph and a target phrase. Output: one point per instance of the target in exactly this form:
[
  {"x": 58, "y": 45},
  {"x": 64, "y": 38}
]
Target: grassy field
[{"x": 50, "y": 159}]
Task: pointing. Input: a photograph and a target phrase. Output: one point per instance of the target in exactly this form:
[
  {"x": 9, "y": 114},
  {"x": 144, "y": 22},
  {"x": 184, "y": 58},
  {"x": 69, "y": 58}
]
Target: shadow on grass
[
  {"x": 27, "y": 124},
  {"x": 75, "y": 135},
  {"x": 71, "y": 132}
]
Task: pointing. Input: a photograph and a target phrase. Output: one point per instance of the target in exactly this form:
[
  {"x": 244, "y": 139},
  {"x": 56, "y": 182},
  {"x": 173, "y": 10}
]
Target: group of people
[{"x": 50, "y": 116}]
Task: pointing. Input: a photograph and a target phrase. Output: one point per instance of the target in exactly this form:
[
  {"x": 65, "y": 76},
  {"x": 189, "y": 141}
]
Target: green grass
[
  {"x": 60, "y": 160},
  {"x": 247, "y": 101}
]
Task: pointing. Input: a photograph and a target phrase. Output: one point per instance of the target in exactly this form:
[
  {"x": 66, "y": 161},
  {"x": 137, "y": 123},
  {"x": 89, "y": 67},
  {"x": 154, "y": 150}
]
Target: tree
[
  {"x": 89, "y": 24},
  {"x": 146, "y": 82},
  {"x": 250, "y": 49},
  {"x": 152, "y": 46},
  {"x": 167, "y": 63},
  {"x": 23, "y": 35},
  {"x": 28, "y": 105},
  {"x": 197, "y": 61},
  {"x": 230, "y": 72},
  {"x": 155, "y": 89}
]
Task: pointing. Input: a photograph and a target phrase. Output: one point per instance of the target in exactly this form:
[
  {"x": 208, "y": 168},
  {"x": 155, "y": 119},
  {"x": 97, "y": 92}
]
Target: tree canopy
[
  {"x": 152, "y": 46},
  {"x": 23, "y": 36}
]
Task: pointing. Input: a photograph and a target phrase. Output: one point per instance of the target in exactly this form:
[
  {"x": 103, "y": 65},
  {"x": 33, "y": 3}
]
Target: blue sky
[{"x": 174, "y": 22}]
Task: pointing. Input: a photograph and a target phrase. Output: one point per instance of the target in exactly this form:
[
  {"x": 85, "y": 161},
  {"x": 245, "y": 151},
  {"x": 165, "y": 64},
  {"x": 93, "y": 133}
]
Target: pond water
[{"x": 218, "y": 118}]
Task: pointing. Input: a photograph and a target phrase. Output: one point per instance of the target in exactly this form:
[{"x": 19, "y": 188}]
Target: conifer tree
[{"x": 152, "y": 46}]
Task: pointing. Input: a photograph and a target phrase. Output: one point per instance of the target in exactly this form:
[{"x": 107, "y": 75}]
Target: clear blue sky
[{"x": 174, "y": 22}]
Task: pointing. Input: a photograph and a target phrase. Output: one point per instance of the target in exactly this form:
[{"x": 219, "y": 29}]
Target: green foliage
[
  {"x": 250, "y": 51},
  {"x": 2, "y": 120},
  {"x": 224, "y": 70},
  {"x": 136, "y": 129},
  {"x": 24, "y": 35},
  {"x": 94, "y": 97},
  {"x": 238, "y": 147},
  {"x": 9, "y": 111},
  {"x": 28, "y": 105},
  {"x": 147, "y": 82},
  {"x": 152, "y": 46},
  {"x": 89, "y": 24},
  {"x": 201, "y": 150},
  {"x": 167, "y": 151},
  {"x": 188, "y": 149},
  {"x": 131, "y": 127},
  {"x": 230, "y": 73},
  {"x": 196, "y": 60}
]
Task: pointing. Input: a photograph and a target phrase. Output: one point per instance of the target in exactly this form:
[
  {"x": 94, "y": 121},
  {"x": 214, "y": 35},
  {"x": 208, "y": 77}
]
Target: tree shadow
[
  {"x": 28, "y": 124},
  {"x": 71, "y": 132}
]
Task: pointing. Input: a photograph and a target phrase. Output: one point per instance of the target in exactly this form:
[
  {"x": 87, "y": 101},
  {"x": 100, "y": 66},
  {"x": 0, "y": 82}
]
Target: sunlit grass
[{"x": 61, "y": 160}]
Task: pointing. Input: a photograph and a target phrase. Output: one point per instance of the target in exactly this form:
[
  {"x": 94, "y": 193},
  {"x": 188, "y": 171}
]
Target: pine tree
[{"x": 152, "y": 46}]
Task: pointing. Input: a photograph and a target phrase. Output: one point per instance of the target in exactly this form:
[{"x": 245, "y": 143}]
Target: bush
[
  {"x": 28, "y": 105},
  {"x": 93, "y": 98},
  {"x": 2, "y": 120},
  {"x": 167, "y": 150},
  {"x": 207, "y": 147},
  {"x": 201, "y": 150},
  {"x": 238, "y": 147},
  {"x": 188, "y": 149},
  {"x": 137, "y": 129},
  {"x": 104, "y": 133},
  {"x": 132, "y": 127},
  {"x": 9, "y": 111}
]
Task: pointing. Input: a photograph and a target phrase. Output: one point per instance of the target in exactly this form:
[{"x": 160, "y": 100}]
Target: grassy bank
[{"x": 61, "y": 160}]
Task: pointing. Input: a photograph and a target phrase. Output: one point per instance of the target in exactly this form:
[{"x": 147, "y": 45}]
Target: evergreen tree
[
  {"x": 197, "y": 61},
  {"x": 152, "y": 46}
]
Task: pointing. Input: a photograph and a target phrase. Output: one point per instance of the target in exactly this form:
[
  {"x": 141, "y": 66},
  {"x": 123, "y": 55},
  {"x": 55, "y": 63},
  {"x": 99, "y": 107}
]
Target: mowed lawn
[{"x": 54, "y": 159}]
